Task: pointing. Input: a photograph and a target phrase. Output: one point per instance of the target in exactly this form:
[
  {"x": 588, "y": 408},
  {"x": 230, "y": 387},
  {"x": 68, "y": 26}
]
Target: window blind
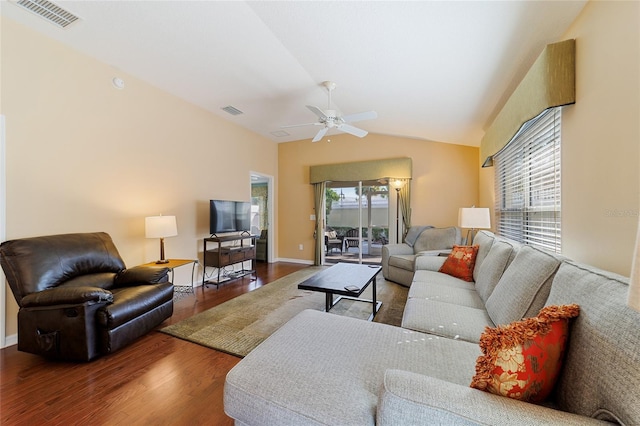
[{"x": 528, "y": 185}]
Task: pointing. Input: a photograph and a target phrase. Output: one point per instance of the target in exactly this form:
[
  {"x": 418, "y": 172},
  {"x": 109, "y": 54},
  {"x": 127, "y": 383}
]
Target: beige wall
[
  {"x": 84, "y": 156},
  {"x": 445, "y": 178},
  {"x": 600, "y": 139}
]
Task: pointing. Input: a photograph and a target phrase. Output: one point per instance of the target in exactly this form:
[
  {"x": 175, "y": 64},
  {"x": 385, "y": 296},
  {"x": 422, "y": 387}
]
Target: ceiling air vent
[
  {"x": 49, "y": 11},
  {"x": 232, "y": 110}
]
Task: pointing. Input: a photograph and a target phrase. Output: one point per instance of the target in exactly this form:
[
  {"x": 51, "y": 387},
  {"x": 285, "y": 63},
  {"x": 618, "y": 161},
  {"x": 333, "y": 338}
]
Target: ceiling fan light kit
[{"x": 329, "y": 119}]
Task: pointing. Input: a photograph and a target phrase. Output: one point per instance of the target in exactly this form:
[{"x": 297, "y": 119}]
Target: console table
[{"x": 229, "y": 250}]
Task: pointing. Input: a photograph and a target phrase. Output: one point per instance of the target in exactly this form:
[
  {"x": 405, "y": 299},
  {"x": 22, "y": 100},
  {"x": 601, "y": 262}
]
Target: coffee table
[{"x": 332, "y": 281}]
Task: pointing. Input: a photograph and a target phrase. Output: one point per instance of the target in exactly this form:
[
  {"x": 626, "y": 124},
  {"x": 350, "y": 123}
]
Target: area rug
[{"x": 239, "y": 325}]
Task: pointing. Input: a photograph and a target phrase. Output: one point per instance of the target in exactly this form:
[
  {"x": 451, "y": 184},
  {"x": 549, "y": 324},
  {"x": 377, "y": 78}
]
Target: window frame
[{"x": 528, "y": 184}]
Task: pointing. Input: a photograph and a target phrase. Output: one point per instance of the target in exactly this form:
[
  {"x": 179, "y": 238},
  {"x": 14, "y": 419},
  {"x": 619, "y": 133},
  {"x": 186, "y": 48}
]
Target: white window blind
[{"x": 528, "y": 184}]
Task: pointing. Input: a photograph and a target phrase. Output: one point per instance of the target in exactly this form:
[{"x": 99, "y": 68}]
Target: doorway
[
  {"x": 262, "y": 215},
  {"x": 358, "y": 213}
]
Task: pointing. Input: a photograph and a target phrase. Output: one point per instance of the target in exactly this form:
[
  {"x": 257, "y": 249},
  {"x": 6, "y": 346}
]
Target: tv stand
[{"x": 225, "y": 255}]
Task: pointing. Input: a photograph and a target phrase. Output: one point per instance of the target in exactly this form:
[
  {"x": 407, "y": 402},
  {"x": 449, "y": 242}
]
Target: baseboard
[
  {"x": 10, "y": 340},
  {"x": 302, "y": 261}
]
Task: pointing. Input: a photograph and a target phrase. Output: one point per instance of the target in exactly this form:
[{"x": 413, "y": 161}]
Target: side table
[{"x": 176, "y": 263}]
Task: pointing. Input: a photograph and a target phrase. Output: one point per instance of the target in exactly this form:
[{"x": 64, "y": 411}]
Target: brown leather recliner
[{"x": 77, "y": 300}]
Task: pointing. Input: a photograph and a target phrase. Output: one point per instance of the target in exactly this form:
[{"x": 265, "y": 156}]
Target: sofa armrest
[
  {"x": 142, "y": 275},
  {"x": 389, "y": 250},
  {"x": 67, "y": 296},
  {"x": 414, "y": 399},
  {"x": 393, "y": 249}
]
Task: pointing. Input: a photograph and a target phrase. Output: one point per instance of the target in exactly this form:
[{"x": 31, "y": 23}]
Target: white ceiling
[{"x": 433, "y": 70}]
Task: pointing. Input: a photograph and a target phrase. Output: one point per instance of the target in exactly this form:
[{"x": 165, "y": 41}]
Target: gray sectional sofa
[
  {"x": 400, "y": 261},
  {"x": 324, "y": 369}
]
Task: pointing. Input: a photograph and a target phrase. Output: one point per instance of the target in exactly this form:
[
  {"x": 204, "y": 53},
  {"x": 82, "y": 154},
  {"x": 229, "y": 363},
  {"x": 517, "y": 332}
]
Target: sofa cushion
[
  {"x": 429, "y": 262},
  {"x": 433, "y": 277},
  {"x": 523, "y": 288},
  {"x": 445, "y": 319},
  {"x": 403, "y": 261},
  {"x": 417, "y": 399},
  {"x": 483, "y": 239},
  {"x": 413, "y": 233},
  {"x": 460, "y": 262},
  {"x": 601, "y": 373},
  {"x": 446, "y": 293},
  {"x": 495, "y": 263},
  {"x": 522, "y": 360},
  {"x": 437, "y": 239},
  {"x": 323, "y": 368}
]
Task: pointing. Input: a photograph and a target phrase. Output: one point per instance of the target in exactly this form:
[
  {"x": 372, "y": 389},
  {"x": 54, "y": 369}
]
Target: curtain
[
  {"x": 405, "y": 207},
  {"x": 319, "y": 202}
]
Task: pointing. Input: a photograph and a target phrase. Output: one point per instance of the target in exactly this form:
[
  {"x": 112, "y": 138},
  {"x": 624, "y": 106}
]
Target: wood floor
[{"x": 159, "y": 379}]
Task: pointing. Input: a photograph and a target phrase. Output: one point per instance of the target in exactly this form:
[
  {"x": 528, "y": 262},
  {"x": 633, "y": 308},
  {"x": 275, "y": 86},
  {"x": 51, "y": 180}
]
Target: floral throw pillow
[
  {"x": 460, "y": 262},
  {"x": 522, "y": 360}
]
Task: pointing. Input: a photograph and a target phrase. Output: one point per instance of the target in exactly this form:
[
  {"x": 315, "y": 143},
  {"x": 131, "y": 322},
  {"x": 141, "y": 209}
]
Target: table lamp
[
  {"x": 160, "y": 227},
  {"x": 473, "y": 218}
]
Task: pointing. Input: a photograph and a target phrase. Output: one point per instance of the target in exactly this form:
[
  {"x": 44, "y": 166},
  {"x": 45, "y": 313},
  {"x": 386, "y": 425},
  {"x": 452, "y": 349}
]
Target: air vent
[
  {"x": 232, "y": 110},
  {"x": 49, "y": 11},
  {"x": 280, "y": 133}
]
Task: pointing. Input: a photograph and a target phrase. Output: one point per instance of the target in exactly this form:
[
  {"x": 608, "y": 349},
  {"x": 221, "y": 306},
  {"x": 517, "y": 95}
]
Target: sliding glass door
[{"x": 357, "y": 214}]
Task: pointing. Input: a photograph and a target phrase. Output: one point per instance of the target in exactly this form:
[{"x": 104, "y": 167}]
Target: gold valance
[
  {"x": 399, "y": 168},
  {"x": 549, "y": 83}
]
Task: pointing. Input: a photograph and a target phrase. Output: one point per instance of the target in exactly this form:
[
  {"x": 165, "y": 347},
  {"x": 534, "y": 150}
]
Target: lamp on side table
[
  {"x": 473, "y": 218},
  {"x": 160, "y": 227}
]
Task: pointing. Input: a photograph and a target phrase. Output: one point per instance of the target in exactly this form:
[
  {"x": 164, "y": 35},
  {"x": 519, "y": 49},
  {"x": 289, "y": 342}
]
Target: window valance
[
  {"x": 549, "y": 83},
  {"x": 398, "y": 168}
]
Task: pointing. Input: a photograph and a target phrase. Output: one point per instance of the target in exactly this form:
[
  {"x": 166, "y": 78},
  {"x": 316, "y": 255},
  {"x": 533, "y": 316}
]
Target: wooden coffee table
[{"x": 334, "y": 280}]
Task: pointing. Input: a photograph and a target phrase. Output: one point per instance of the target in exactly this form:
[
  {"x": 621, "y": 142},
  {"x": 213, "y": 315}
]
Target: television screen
[
  {"x": 222, "y": 217},
  {"x": 229, "y": 216},
  {"x": 243, "y": 216}
]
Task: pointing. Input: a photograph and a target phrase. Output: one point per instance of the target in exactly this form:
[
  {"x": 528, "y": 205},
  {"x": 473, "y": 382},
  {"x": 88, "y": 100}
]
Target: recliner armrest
[
  {"x": 67, "y": 296},
  {"x": 409, "y": 398},
  {"x": 140, "y": 275}
]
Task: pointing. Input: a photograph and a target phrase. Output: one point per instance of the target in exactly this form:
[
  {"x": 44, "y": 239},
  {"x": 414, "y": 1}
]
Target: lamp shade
[
  {"x": 474, "y": 218},
  {"x": 160, "y": 226},
  {"x": 633, "y": 299}
]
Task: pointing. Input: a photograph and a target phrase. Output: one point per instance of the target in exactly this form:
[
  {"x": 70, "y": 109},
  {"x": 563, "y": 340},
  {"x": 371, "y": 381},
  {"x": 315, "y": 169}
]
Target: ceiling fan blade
[
  {"x": 320, "y": 134},
  {"x": 351, "y": 118},
  {"x": 317, "y": 111},
  {"x": 300, "y": 125},
  {"x": 353, "y": 130}
]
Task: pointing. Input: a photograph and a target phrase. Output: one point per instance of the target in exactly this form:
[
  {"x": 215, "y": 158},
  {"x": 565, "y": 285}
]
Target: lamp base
[{"x": 162, "y": 261}]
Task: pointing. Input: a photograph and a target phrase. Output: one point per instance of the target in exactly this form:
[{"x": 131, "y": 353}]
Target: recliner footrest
[{"x": 131, "y": 302}]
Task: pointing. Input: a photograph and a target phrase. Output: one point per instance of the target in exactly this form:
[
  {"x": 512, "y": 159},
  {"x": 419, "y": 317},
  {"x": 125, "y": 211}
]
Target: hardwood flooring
[{"x": 159, "y": 379}]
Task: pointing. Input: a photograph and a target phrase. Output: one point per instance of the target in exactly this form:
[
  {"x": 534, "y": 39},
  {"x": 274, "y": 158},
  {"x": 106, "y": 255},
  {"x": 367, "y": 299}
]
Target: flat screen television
[{"x": 229, "y": 216}]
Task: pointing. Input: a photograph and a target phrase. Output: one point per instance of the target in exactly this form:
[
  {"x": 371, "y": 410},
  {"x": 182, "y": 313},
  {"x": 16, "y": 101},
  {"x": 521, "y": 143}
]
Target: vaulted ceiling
[{"x": 432, "y": 70}]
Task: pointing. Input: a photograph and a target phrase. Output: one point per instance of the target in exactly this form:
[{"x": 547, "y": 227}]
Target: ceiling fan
[{"x": 329, "y": 119}]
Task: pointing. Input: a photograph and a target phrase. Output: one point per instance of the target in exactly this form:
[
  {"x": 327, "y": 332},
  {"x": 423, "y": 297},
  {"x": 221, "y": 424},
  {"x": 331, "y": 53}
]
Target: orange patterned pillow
[
  {"x": 460, "y": 262},
  {"x": 522, "y": 360}
]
